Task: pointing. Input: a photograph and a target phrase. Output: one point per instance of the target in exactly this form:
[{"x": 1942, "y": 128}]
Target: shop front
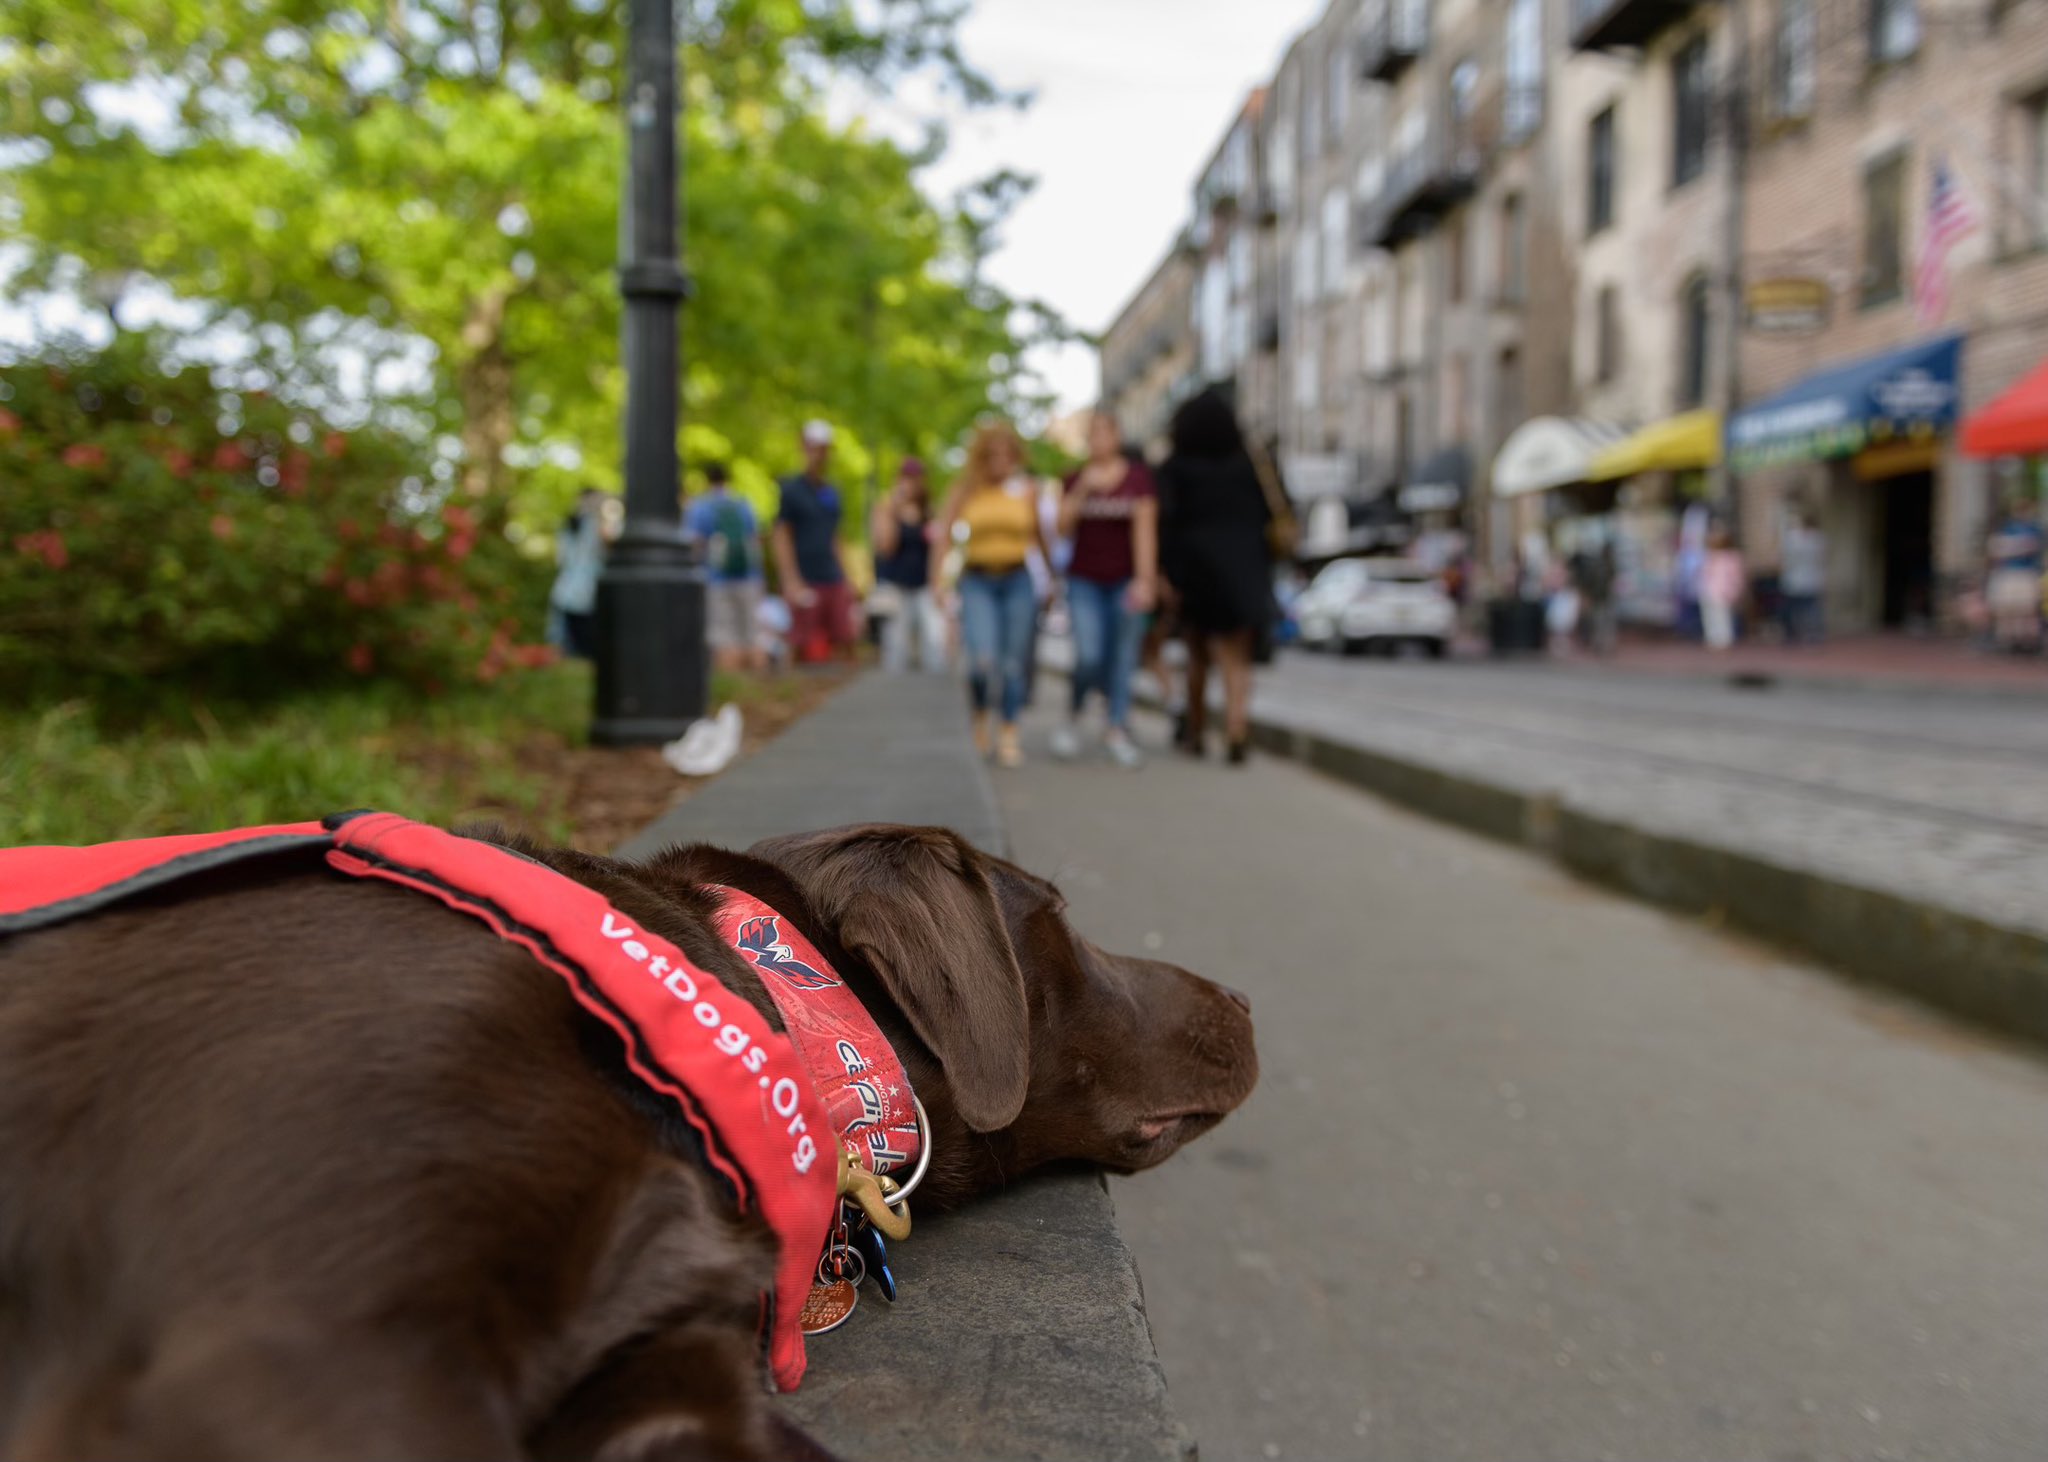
[
  {"x": 1539, "y": 477},
  {"x": 1861, "y": 447},
  {"x": 1344, "y": 506},
  {"x": 1654, "y": 478}
]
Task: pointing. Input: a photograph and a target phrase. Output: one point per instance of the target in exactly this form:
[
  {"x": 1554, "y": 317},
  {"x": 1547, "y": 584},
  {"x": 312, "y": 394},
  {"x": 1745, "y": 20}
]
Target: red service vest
[{"x": 741, "y": 1084}]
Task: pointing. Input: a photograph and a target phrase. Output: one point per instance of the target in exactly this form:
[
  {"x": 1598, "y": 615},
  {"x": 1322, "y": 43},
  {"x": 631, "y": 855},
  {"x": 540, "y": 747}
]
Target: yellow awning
[{"x": 1690, "y": 439}]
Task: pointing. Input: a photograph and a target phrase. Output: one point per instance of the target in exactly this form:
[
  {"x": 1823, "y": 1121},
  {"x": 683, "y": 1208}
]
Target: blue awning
[{"x": 1908, "y": 394}]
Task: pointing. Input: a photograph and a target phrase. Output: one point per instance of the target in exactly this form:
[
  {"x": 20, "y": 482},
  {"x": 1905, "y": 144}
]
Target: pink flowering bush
[{"x": 150, "y": 526}]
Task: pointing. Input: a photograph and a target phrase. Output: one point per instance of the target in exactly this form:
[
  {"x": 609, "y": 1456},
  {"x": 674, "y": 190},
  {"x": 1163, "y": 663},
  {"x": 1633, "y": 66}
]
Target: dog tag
[
  {"x": 828, "y": 1305},
  {"x": 867, "y": 1241}
]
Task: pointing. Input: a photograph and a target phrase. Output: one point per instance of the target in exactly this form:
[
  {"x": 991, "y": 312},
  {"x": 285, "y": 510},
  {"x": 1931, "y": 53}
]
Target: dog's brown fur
[{"x": 298, "y": 1167}]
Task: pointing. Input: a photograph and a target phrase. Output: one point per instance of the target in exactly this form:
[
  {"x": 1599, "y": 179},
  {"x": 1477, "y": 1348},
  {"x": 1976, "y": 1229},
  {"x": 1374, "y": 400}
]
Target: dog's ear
[{"x": 918, "y": 906}]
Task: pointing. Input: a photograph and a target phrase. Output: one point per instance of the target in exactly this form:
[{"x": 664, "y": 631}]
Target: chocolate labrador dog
[{"x": 295, "y": 1166}]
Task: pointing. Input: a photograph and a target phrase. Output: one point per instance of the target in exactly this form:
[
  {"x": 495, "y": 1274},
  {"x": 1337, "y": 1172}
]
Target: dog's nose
[{"x": 1244, "y": 1001}]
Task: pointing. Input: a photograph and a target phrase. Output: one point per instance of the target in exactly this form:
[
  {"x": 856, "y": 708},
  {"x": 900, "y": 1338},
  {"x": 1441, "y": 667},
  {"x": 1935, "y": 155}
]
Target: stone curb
[{"x": 1991, "y": 975}]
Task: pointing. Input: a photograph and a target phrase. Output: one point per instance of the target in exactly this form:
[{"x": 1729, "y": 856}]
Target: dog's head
[{"x": 1048, "y": 1048}]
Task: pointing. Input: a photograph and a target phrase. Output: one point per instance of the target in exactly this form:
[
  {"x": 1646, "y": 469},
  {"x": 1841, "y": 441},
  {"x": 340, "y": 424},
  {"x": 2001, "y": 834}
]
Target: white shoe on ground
[{"x": 1066, "y": 742}]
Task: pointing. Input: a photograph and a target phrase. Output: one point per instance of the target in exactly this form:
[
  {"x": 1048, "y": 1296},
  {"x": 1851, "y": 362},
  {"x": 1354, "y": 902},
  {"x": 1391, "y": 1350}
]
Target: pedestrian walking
[
  {"x": 1215, "y": 511},
  {"x": 579, "y": 560},
  {"x": 1721, "y": 582},
  {"x": 728, "y": 539},
  {"x": 1561, "y": 606},
  {"x": 996, "y": 503},
  {"x": 1687, "y": 561},
  {"x": 1047, "y": 564},
  {"x": 902, "y": 537},
  {"x": 2012, "y": 588},
  {"x": 1802, "y": 578},
  {"x": 1593, "y": 572},
  {"x": 1110, "y": 512},
  {"x": 808, "y": 563}
]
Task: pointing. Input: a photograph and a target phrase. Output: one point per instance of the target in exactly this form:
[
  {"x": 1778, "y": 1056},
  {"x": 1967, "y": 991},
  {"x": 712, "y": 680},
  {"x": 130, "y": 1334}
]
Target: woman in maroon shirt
[{"x": 1111, "y": 514}]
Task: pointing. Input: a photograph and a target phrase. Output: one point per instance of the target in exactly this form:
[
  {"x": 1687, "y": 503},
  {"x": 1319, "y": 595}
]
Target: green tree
[{"x": 385, "y": 172}]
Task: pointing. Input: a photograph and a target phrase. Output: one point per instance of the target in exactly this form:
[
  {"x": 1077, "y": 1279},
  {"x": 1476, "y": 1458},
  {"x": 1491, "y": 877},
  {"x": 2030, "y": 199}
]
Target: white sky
[{"x": 1132, "y": 98}]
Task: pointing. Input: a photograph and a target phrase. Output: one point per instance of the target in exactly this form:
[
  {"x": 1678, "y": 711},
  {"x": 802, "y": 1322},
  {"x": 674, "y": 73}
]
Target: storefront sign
[
  {"x": 1312, "y": 475},
  {"x": 1909, "y": 393},
  {"x": 1790, "y": 306},
  {"x": 1430, "y": 497}
]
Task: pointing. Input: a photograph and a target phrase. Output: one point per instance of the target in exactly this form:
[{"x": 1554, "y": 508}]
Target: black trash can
[{"x": 1515, "y": 627}]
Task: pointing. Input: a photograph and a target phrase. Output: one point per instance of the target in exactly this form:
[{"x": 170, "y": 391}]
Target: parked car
[{"x": 1361, "y": 604}]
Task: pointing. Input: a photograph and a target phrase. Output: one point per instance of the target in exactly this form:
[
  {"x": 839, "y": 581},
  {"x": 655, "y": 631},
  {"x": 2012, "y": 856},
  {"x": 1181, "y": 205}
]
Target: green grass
[{"x": 74, "y": 771}]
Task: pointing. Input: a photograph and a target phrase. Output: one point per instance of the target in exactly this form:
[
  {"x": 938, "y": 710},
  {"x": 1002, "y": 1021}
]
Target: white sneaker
[
  {"x": 1124, "y": 751},
  {"x": 709, "y": 746},
  {"x": 1066, "y": 742}
]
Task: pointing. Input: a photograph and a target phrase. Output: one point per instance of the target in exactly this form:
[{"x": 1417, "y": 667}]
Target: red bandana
[
  {"x": 863, "y": 1085},
  {"x": 739, "y": 1083}
]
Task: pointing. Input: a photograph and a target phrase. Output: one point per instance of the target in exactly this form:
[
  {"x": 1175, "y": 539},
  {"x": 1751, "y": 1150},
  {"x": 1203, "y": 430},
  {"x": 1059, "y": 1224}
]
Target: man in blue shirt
[
  {"x": 728, "y": 539},
  {"x": 807, "y": 555}
]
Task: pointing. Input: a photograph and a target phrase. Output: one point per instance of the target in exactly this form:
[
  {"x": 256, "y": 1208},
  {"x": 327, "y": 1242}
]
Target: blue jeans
[
  {"x": 997, "y": 615},
  {"x": 1802, "y": 618},
  {"x": 1107, "y": 636}
]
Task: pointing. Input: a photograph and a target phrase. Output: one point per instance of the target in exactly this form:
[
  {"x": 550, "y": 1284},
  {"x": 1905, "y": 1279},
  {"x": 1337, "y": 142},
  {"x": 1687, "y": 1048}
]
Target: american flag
[{"x": 1950, "y": 219}]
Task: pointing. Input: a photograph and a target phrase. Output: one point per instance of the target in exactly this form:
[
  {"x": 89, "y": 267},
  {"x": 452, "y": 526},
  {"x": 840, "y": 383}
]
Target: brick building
[
  {"x": 1856, "y": 106},
  {"x": 1148, "y": 353},
  {"x": 1569, "y": 269}
]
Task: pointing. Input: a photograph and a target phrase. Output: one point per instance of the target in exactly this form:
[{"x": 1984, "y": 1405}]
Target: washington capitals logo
[{"x": 760, "y": 940}]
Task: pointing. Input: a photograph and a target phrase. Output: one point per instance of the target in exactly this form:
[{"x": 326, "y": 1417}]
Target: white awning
[{"x": 1550, "y": 451}]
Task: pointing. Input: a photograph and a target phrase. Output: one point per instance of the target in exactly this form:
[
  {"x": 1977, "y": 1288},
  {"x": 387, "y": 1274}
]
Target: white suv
[{"x": 1360, "y": 604}]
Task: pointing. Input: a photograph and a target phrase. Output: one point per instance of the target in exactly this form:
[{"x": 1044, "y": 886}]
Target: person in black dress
[{"x": 1213, "y": 517}]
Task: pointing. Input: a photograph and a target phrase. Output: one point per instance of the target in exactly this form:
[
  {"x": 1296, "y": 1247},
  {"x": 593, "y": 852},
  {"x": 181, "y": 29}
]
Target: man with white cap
[{"x": 807, "y": 555}]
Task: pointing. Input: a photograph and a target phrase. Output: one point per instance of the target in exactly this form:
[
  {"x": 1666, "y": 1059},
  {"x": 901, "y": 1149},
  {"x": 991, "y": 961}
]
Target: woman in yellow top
[{"x": 994, "y": 501}]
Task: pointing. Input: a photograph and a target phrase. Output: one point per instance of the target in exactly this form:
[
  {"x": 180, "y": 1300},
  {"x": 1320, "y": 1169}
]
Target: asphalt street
[{"x": 1537, "y": 1172}]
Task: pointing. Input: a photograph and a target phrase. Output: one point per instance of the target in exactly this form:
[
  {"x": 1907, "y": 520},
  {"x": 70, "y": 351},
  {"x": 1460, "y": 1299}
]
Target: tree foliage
[{"x": 332, "y": 182}]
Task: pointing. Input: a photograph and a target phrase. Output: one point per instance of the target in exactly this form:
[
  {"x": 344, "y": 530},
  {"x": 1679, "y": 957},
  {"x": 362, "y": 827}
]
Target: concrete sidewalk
[
  {"x": 1873, "y": 662},
  {"x": 1899, "y": 836}
]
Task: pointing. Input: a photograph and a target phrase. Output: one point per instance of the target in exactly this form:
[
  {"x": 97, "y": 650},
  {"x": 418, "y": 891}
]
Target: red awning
[{"x": 2015, "y": 425}]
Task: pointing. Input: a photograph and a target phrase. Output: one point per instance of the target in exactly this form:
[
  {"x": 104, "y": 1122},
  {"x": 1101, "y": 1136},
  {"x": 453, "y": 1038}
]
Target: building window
[
  {"x": 1336, "y": 240},
  {"x": 2034, "y": 152},
  {"x": 1884, "y": 219},
  {"x": 1311, "y": 120},
  {"x": 1508, "y": 391},
  {"x": 1894, "y": 29},
  {"x": 1456, "y": 398},
  {"x": 1600, "y": 172},
  {"x": 1514, "y": 249},
  {"x": 1689, "y": 103},
  {"x": 1280, "y": 166},
  {"x": 1454, "y": 261},
  {"x": 1523, "y": 51},
  {"x": 1792, "y": 59},
  {"x": 1696, "y": 325},
  {"x": 1464, "y": 88},
  {"x": 1308, "y": 365},
  {"x": 1337, "y": 105},
  {"x": 1607, "y": 335}
]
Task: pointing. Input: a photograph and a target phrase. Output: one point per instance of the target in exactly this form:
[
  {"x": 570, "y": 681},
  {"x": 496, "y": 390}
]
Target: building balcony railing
[
  {"x": 1599, "y": 25},
  {"x": 1394, "y": 39},
  {"x": 1421, "y": 185}
]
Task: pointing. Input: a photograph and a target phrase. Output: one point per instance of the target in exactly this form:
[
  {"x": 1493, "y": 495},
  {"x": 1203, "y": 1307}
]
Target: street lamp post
[{"x": 652, "y": 674}]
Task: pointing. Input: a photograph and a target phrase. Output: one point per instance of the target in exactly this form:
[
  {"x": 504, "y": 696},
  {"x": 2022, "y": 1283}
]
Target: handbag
[{"x": 1283, "y": 533}]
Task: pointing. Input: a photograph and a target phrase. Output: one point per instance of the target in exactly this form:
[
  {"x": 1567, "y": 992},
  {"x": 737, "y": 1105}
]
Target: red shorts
[{"x": 824, "y": 625}]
